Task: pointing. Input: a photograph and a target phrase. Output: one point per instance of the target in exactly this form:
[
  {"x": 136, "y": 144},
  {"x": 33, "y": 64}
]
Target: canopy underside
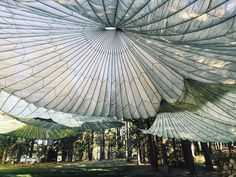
[
  {"x": 60, "y": 60},
  {"x": 48, "y": 129}
]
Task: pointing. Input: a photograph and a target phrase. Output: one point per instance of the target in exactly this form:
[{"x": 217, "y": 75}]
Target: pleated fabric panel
[
  {"x": 56, "y": 54},
  {"x": 60, "y": 62},
  {"x": 191, "y": 126},
  {"x": 47, "y": 129},
  {"x": 216, "y": 101},
  {"x": 205, "y": 112}
]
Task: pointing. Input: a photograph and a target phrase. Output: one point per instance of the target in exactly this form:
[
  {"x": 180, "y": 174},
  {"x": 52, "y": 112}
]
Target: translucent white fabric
[
  {"x": 8, "y": 124},
  {"x": 191, "y": 126},
  {"x": 16, "y": 107},
  {"x": 215, "y": 101},
  {"x": 64, "y": 58},
  {"x": 58, "y": 55},
  {"x": 206, "y": 113},
  {"x": 48, "y": 129}
]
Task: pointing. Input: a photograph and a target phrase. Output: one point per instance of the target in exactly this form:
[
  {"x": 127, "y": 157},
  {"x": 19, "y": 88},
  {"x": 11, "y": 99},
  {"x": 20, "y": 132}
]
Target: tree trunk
[
  {"x": 176, "y": 157},
  {"x": 151, "y": 153},
  {"x": 152, "y": 149},
  {"x": 19, "y": 153},
  {"x": 64, "y": 154},
  {"x": 207, "y": 155},
  {"x": 45, "y": 150},
  {"x": 144, "y": 147},
  {"x": 140, "y": 160},
  {"x": 52, "y": 155},
  {"x": 70, "y": 150},
  {"x": 164, "y": 155},
  {"x": 210, "y": 148},
  {"x": 64, "y": 149},
  {"x": 197, "y": 148},
  {"x": 5, "y": 154},
  {"x": 119, "y": 143},
  {"x": 90, "y": 148},
  {"x": 188, "y": 157},
  {"x": 31, "y": 149},
  {"x": 109, "y": 151},
  {"x": 230, "y": 148},
  {"x": 155, "y": 152},
  {"x": 127, "y": 143},
  {"x": 101, "y": 141}
]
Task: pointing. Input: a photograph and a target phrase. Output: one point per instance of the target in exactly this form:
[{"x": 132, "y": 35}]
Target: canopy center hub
[{"x": 110, "y": 28}]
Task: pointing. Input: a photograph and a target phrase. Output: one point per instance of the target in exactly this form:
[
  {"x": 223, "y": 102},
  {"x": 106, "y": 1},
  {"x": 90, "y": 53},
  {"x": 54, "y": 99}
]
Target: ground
[{"x": 92, "y": 169}]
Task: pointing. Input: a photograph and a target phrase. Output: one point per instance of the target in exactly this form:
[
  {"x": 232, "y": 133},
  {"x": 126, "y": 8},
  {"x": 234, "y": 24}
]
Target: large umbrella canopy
[
  {"x": 60, "y": 55},
  {"x": 65, "y": 59}
]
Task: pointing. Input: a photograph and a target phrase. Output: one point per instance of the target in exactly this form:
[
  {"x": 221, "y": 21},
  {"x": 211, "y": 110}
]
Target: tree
[
  {"x": 207, "y": 155},
  {"x": 188, "y": 157}
]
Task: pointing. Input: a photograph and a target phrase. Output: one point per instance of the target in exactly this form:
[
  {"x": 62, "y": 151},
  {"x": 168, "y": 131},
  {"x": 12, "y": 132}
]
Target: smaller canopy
[
  {"x": 47, "y": 129},
  {"x": 205, "y": 112},
  {"x": 190, "y": 126}
]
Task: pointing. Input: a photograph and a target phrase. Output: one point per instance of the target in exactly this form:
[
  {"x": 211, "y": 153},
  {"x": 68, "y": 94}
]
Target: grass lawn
[
  {"x": 91, "y": 169},
  {"x": 49, "y": 170},
  {"x": 97, "y": 169}
]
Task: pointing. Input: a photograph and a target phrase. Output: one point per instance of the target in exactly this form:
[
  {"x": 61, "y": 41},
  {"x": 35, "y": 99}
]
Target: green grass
[
  {"x": 49, "y": 170},
  {"x": 92, "y": 169}
]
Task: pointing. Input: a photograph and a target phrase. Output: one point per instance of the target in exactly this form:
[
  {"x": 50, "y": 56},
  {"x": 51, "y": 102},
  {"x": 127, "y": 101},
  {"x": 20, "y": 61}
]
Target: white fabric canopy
[
  {"x": 62, "y": 59},
  {"x": 58, "y": 55},
  {"x": 49, "y": 129},
  {"x": 215, "y": 101},
  {"x": 193, "y": 127}
]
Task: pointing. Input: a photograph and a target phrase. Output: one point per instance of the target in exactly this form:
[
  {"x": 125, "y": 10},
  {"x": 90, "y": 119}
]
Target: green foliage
[
  {"x": 120, "y": 153},
  {"x": 10, "y": 147}
]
